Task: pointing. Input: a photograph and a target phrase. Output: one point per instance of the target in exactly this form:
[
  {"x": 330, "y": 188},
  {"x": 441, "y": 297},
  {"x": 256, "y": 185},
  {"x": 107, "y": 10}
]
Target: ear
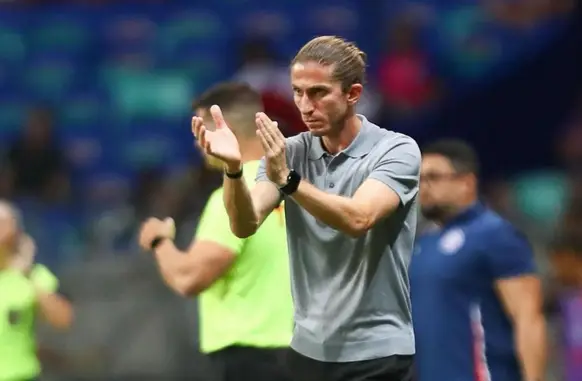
[{"x": 354, "y": 93}]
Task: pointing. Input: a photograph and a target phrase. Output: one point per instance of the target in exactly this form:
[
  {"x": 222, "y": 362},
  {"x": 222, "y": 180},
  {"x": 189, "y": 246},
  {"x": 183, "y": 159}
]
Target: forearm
[
  {"x": 175, "y": 267},
  {"x": 55, "y": 309},
  {"x": 244, "y": 221},
  {"x": 531, "y": 343},
  {"x": 338, "y": 212}
]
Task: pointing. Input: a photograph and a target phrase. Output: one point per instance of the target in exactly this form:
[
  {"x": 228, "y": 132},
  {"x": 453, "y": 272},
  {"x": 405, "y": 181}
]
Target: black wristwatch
[
  {"x": 293, "y": 180},
  {"x": 156, "y": 242},
  {"x": 234, "y": 175}
]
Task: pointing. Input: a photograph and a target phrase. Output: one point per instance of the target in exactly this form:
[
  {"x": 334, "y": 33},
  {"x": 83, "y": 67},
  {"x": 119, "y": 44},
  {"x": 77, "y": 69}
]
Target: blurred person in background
[
  {"x": 246, "y": 311},
  {"x": 565, "y": 307},
  {"x": 27, "y": 291},
  {"x": 36, "y": 160},
  {"x": 262, "y": 70},
  {"x": 476, "y": 297},
  {"x": 406, "y": 80}
]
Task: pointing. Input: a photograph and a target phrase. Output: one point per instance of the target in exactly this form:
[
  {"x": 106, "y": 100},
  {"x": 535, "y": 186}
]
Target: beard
[{"x": 437, "y": 213}]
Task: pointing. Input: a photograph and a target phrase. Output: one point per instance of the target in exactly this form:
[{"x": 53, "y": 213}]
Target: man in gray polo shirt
[{"x": 350, "y": 189}]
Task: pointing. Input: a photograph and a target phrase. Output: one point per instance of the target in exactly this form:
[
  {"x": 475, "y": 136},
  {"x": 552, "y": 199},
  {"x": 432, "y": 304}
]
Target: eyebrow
[{"x": 314, "y": 87}]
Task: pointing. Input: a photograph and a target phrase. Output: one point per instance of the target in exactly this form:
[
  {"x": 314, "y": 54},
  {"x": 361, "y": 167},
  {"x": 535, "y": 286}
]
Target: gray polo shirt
[{"x": 351, "y": 295}]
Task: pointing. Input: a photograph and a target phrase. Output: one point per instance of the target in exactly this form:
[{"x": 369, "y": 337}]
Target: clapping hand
[
  {"x": 220, "y": 143},
  {"x": 274, "y": 145},
  {"x": 23, "y": 257}
]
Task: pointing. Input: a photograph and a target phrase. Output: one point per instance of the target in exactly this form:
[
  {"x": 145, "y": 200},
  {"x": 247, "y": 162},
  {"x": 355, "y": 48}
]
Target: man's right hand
[{"x": 220, "y": 143}]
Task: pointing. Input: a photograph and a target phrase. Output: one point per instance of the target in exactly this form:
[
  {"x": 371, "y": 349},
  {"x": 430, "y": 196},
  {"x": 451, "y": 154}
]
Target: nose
[{"x": 305, "y": 105}]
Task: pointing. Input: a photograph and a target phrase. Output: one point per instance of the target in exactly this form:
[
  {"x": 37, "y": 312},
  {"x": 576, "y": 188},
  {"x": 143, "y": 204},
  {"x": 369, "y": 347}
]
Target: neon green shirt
[
  {"x": 18, "y": 359},
  {"x": 251, "y": 304}
]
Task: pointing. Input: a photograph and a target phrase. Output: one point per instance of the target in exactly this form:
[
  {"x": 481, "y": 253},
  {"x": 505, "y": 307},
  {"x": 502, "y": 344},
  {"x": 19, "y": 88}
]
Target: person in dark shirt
[
  {"x": 476, "y": 297},
  {"x": 35, "y": 159}
]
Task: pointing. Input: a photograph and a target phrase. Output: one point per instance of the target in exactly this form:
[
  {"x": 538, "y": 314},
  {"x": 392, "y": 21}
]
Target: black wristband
[
  {"x": 156, "y": 242},
  {"x": 235, "y": 175}
]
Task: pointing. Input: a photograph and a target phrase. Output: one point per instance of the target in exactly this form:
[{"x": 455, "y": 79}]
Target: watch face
[{"x": 293, "y": 181}]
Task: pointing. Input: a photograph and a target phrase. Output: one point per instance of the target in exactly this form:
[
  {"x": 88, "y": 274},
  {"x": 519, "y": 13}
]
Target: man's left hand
[
  {"x": 155, "y": 228},
  {"x": 274, "y": 145}
]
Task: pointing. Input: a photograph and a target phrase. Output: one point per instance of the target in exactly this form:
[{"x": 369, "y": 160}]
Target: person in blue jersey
[{"x": 476, "y": 297}]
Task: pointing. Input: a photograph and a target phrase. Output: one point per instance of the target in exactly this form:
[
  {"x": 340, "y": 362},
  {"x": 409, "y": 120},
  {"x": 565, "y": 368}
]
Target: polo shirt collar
[{"x": 361, "y": 145}]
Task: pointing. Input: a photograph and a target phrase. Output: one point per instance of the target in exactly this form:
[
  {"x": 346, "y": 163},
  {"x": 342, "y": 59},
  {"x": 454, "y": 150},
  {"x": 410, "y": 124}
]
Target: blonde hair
[{"x": 348, "y": 61}]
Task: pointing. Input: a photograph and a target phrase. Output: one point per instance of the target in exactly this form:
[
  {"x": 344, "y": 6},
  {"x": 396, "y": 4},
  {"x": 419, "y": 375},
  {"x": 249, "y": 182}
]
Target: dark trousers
[
  {"x": 238, "y": 363},
  {"x": 392, "y": 368}
]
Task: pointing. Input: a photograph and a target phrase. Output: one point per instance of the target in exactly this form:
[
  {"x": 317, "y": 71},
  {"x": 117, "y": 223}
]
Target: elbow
[
  {"x": 189, "y": 286},
  {"x": 358, "y": 228},
  {"x": 246, "y": 231}
]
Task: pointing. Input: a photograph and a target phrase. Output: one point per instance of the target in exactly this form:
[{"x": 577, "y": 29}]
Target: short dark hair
[
  {"x": 228, "y": 95},
  {"x": 462, "y": 156}
]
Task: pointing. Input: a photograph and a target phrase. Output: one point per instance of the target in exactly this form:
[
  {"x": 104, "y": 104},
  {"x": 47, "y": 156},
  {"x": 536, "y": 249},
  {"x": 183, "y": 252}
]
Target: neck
[
  {"x": 335, "y": 143},
  {"x": 455, "y": 211},
  {"x": 251, "y": 150}
]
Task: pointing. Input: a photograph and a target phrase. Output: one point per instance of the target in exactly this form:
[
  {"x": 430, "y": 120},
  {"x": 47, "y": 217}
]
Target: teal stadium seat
[
  {"x": 142, "y": 93},
  {"x": 49, "y": 79},
  {"x": 194, "y": 29},
  {"x": 12, "y": 45},
  {"x": 82, "y": 109},
  {"x": 13, "y": 111},
  {"x": 542, "y": 196},
  {"x": 60, "y": 35}
]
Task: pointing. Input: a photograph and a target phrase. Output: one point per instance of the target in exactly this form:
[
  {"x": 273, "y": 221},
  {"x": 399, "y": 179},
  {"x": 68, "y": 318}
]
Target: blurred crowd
[{"x": 95, "y": 105}]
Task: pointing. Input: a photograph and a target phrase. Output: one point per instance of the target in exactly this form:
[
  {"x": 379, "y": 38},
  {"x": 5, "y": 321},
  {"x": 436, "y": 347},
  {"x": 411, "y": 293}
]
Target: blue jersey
[{"x": 461, "y": 329}]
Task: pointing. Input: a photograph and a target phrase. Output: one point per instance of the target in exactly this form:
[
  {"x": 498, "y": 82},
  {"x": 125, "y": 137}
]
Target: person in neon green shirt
[
  {"x": 27, "y": 290},
  {"x": 246, "y": 309}
]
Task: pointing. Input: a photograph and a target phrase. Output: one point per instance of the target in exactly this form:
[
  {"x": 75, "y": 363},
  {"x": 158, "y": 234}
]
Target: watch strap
[{"x": 293, "y": 180}]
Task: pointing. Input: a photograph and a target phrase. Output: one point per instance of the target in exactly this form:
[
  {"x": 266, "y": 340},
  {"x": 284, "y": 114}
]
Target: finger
[
  {"x": 264, "y": 143},
  {"x": 196, "y": 124},
  {"x": 267, "y": 135},
  {"x": 170, "y": 227},
  {"x": 208, "y": 148},
  {"x": 202, "y": 136},
  {"x": 217, "y": 116},
  {"x": 271, "y": 126}
]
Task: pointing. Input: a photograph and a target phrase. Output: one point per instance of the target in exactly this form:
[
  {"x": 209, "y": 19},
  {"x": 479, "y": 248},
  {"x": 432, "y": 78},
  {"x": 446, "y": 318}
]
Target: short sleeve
[
  {"x": 509, "y": 254},
  {"x": 214, "y": 225},
  {"x": 399, "y": 168},
  {"x": 262, "y": 171},
  {"x": 44, "y": 279}
]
